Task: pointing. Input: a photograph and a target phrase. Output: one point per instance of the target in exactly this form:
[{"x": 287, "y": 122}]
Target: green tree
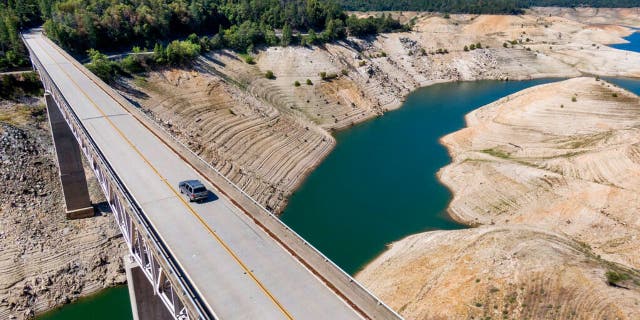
[
  {"x": 181, "y": 52},
  {"x": 287, "y": 35},
  {"x": 101, "y": 66}
]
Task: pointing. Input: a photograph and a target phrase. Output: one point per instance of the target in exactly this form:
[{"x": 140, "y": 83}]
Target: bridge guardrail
[{"x": 142, "y": 239}]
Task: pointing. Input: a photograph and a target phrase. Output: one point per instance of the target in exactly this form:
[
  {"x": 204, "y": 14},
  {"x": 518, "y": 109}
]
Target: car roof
[{"x": 194, "y": 183}]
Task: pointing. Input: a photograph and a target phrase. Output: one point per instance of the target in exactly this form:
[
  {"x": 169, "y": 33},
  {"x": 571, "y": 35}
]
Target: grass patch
[
  {"x": 497, "y": 153},
  {"x": 613, "y": 277},
  {"x": 23, "y": 114},
  {"x": 140, "y": 81}
]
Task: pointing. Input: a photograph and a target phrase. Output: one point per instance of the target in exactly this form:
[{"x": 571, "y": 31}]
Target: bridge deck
[{"x": 238, "y": 270}]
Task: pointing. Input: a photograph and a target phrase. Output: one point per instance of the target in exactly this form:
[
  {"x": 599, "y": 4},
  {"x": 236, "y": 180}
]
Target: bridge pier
[
  {"x": 145, "y": 305},
  {"x": 72, "y": 177}
]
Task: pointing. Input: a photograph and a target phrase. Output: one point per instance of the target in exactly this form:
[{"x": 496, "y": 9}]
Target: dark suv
[{"x": 194, "y": 189}]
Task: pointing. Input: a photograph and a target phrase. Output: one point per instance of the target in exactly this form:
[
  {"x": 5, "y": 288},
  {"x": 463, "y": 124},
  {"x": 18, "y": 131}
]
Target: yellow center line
[{"x": 193, "y": 212}]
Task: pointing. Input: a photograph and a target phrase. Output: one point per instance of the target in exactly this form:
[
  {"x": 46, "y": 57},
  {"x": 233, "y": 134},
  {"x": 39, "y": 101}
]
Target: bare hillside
[
  {"x": 268, "y": 134},
  {"x": 500, "y": 273}
]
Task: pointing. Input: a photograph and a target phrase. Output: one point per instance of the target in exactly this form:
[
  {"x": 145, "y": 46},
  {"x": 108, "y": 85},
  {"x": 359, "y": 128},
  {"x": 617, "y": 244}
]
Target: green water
[
  {"x": 110, "y": 304},
  {"x": 377, "y": 186}
]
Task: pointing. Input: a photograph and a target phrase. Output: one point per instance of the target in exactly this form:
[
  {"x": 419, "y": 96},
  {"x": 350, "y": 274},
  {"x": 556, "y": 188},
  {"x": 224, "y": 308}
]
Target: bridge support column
[
  {"x": 145, "y": 305},
  {"x": 72, "y": 177}
]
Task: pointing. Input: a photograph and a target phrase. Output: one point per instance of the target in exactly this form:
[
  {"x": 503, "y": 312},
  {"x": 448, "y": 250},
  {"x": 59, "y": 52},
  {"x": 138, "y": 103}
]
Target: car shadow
[{"x": 210, "y": 197}]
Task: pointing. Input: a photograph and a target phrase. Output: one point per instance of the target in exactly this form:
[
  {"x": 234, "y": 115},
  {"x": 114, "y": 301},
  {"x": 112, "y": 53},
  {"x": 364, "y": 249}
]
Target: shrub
[
  {"x": 181, "y": 52},
  {"x": 269, "y": 75},
  {"x": 362, "y": 63},
  {"x": 574, "y": 99},
  {"x": 478, "y": 45},
  {"x": 344, "y": 72},
  {"x": 131, "y": 64},
  {"x": 472, "y": 47},
  {"x": 327, "y": 76},
  {"x": 297, "y": 83},
  {"x": 466, "y": 48},
  {"x": 614, "y": 277},
  {"x": 249, "y": 60},
  {"x": 505, "y": 45},
  {"x": 101, "y": 66},
  {"x": 309, "y": 82}
]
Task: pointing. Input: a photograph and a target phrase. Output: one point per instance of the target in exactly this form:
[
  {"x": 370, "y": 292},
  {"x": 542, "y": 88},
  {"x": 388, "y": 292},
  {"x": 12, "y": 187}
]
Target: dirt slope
[
  {"x": 539, "y": 158},
  {"x": 499, "y": 273},
  {"x": 45, "y": 259}
]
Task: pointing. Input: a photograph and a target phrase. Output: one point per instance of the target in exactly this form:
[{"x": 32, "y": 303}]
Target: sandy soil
[
  {"x": 539, "y": 158},
  {"x": 500, "y": 272}
]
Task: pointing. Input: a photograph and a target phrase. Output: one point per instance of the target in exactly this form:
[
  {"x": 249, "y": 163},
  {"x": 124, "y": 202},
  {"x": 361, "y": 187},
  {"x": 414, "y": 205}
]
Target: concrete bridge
[{"x": 226, "y": 258}]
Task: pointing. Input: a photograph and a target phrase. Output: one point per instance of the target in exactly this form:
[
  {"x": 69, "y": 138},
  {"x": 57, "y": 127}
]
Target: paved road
[{"x": 240, "y": 271}]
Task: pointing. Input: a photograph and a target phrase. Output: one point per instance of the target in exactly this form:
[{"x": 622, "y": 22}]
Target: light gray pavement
[{"x": 237, "y": 268}]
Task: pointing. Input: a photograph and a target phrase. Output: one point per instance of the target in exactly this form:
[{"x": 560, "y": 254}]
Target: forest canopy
[
  {"x": 116, "y": 26},
  {"x": 111, "y": 26}
]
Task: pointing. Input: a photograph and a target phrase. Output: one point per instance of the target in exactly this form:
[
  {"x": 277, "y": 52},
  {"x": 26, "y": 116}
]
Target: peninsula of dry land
[{"x": 550, "y": 174}]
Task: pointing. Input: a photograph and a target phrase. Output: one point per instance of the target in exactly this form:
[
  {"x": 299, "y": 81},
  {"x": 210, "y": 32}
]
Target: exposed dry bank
[
  {"x": 266, "y": 135},
  {"x": 46, "y": 260},
  {"x": 551, "y": 173},
  {"x": 496, "y": 272}
]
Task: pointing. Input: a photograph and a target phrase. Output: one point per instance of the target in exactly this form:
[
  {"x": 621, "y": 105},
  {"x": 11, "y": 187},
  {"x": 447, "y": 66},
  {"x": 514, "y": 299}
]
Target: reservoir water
[
  {"x": 109, "y": 304},
  {"x": 633, "y": 45},
  {"x": 377, "y": 186}
]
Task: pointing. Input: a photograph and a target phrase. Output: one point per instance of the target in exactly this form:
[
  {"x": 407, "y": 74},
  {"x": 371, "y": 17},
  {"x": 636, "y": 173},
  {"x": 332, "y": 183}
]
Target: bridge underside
[{"x": 145, "y": 305}]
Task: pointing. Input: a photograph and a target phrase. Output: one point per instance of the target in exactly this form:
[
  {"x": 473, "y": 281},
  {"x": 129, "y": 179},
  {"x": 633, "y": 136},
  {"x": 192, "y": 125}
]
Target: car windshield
[{"x": 199, "y": 189}]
